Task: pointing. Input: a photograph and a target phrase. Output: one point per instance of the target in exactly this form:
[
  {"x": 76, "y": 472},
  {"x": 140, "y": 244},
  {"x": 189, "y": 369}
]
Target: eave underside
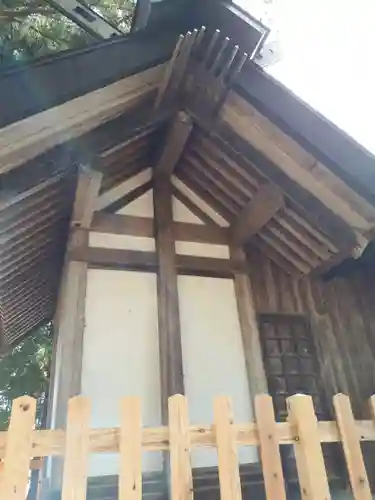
[{"x": 229, "y": 161}]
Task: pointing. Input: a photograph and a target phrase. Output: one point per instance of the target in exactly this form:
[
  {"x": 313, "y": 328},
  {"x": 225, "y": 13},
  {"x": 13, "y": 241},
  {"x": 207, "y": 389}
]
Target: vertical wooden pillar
[
  {"x": 168, "y": 307},
  {"x": 249, "y": 327},
  {"x": 70, "y": 316}
]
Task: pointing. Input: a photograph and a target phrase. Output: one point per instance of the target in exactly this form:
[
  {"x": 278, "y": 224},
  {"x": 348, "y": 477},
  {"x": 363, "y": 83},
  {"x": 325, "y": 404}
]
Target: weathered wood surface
[
  {"x": 257, "y": 213},
  {"x": 170, "y": 350},
  {"x": 340, "y": 312},
  {"x": 298, "y": 164},
  {"x": 144, "y": 226},
  {"x": 175, "y": 144},
  {"x": 32, "y": 136},
  {"x": 249, "y": 326},
  {"x": 112, "y": 258}
]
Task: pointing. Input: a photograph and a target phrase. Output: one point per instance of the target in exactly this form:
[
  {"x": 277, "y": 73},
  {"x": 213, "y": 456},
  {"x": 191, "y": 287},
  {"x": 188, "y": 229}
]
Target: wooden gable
[{"x": 222, "y": 154}]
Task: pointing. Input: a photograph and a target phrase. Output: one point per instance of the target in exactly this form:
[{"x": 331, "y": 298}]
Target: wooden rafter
[
  {"x": 298, "y": 164},
  {"x": 314, "y": 210},
  {"x": 175, "y": 144},
  {"x": 257, "y": 213}
]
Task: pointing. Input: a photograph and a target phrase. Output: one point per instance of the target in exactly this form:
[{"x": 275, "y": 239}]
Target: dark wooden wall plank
[{"x": 113, "y": 258}]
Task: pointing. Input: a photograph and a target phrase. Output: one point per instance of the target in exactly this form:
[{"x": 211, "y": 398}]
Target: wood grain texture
[
  {"x": 111, "y": 258},
  {"x": 352, "y": 448},
  {"x": 249, "y": 327},
  {"x": 257, "y": 213},
  {"x": 70, "y": 315},
  {"x": 171, "y": 370},
  {"x": 144, "y": 226},
  {"x": 299, "y": 165},
  {"x": 15, "y": 476},
  {"x": 130, "y": 478},
  {"x": 269, "y": 448},
  {"x": 308, "y": 452},
  {"x": 74, "y": 484},
  {"x": 174, "y": 144},
  {"x": 89, "y": 182},
  {"x": 179, "y": 438},
  {"x": 52, "y": 442},
  {"x": 31, "y": 136},
  {"x": 229, "y": 475},
  {"x": 314, "y": 211}
]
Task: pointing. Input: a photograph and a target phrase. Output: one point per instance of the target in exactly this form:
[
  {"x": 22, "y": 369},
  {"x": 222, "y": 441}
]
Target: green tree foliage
[
  {"x": 31, "y": 28},
  {"x": 25, "y": 370}
]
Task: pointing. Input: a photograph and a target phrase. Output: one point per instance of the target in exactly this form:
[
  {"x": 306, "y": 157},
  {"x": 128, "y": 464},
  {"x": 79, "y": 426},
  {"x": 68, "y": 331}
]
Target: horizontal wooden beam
[
  {"x": 110, "y": 258},
  {"x": 28, "y": 138},
  {"x": 298, "y": 164},
  {"x": 52, "y": 442},
  {"x": 257, "y": 213},
  {"x": 175, "y": 143},
  {"x": 314, "y": 211},
  {"x": 144, "y": 226}
]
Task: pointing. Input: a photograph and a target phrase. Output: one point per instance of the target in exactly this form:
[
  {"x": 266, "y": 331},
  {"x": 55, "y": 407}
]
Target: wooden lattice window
[{"x": 292, "y": 367}]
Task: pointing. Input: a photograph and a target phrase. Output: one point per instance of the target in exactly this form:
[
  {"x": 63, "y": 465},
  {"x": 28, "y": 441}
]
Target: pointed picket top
[{"x": 15, "y": 476}]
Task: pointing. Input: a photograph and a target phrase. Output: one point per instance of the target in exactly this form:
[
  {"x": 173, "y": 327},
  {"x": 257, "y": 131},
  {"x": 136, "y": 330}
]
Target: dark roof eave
[{"x": 330, "y": 145}]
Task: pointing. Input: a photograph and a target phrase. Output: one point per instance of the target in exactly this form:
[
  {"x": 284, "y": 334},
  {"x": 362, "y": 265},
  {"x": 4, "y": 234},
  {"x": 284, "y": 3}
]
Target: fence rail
[{"x": 21, "y": 443}]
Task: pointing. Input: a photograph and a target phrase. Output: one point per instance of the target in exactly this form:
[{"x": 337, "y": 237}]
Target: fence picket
[
  {"x": 180, "y": 462},
  {"x": 15, "y": 475},
  {"x": 76, "y": 449},
  {"x": 308, "y": 452},
  {"x": 269, "y": 448},
  {"x": 352, "y": 448},
  {"x": 229, "y": 475},
  {"x": 130, "y": 480}
]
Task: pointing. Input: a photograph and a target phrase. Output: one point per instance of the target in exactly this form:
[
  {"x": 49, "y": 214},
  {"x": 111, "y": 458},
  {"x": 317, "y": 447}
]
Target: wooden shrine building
[{"x": 191, "y": 227}]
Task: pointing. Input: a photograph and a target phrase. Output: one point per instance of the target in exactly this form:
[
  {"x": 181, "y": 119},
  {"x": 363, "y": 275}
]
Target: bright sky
[{"x": 328, "y": 58}]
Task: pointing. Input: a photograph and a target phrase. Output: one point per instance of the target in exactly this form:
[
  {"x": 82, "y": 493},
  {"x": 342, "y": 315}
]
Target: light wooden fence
[{"x": 21, "y": 442}]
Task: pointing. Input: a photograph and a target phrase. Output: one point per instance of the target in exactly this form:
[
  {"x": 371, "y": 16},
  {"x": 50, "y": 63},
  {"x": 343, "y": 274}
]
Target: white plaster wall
[
  {"x": 197, "y": 200},
  {"x": 121, "y": 353},
  {"x": 183, "y": 214},
  {"x": 213, "y": 356},
  {"x": 122, "y": 189},
  {"x": 141, "y": 207},
  {"x": 202, "y": 249},
  {"x": 122, "y": 242}
]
